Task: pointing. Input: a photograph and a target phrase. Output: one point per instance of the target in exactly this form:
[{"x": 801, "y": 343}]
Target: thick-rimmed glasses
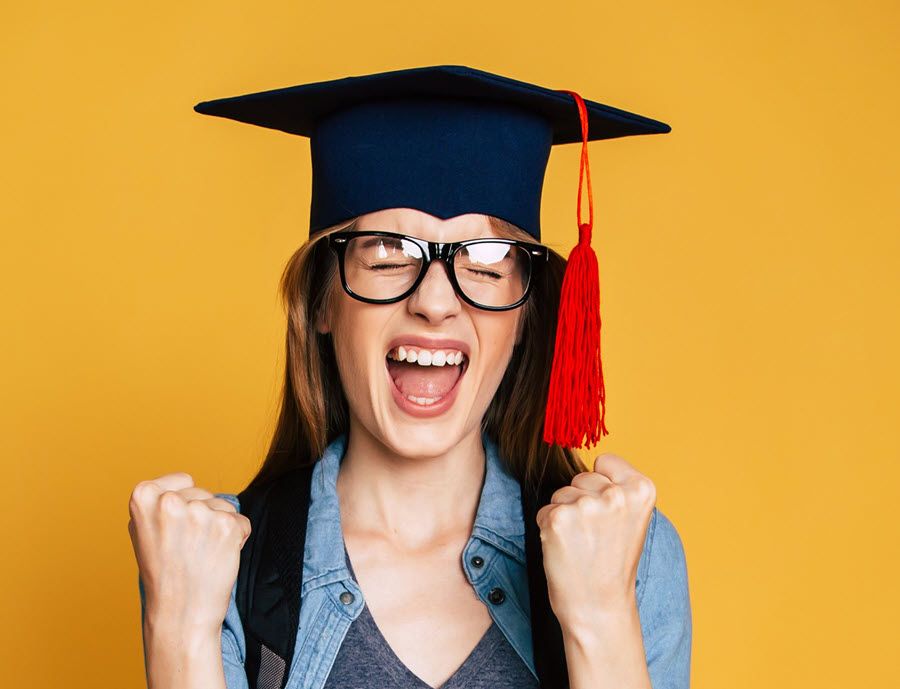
[{"x": 380, "y": 267}]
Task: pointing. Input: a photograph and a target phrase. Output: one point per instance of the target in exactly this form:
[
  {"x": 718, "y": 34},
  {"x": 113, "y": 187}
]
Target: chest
[
  {"x": 297, "y": 519},
  {"x": 419, "y": 595}
]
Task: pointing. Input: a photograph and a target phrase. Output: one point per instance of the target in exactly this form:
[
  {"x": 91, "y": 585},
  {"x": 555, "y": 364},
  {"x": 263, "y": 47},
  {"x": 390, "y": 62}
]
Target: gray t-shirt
[{"x": 365, "y": 660}]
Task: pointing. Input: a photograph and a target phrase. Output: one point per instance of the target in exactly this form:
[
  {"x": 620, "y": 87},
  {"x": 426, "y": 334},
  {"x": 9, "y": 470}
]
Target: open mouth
[{"x": 425, "y": 376}]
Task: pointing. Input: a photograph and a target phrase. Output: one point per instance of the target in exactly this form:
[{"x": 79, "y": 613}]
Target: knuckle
[
  {"x": 223, "y": 523},
  {"x": 614, "y": 495},
  {"x": 244, "y": 526},
  {"x": 645, "y": 489},
  {"x": 551, "y": 521},
  {"x": 171, "y": 503},
  {"x": 588, "y": 504},
  {"x": 197, "y": 511},
  {"x": 142, "y": 494},
  {"x": 558, "y": 519},
  {"x": 134, "y": 507}
]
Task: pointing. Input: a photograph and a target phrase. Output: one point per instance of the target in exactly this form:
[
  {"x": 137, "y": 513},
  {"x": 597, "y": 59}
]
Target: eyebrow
[{"x": 370, "y": 241}]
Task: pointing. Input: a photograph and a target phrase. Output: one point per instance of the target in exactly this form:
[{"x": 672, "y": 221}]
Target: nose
[{"x": 434, "y": 298}]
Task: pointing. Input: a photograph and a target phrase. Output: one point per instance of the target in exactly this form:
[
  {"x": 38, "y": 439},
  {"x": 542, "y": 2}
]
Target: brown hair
[{"x": 313, "y": 409}]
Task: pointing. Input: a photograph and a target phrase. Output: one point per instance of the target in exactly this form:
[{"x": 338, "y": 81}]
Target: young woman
[{"x": 415, "y": 391}]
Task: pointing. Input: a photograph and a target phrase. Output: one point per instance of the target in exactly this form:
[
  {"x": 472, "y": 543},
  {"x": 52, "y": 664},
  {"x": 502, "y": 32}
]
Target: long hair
[{"x": 313, "y": 409}]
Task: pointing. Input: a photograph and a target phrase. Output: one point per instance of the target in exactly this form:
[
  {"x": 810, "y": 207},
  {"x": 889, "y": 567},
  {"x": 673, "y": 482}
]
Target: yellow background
[{"x": 749, "y": 277}]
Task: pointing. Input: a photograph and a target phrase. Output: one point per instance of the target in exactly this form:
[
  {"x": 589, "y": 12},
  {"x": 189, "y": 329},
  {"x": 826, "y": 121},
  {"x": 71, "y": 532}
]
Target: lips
[{"x": 418, "y": 388}]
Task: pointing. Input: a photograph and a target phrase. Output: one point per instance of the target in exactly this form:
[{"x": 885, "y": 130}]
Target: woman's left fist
[{"x": 592, "y": 536}]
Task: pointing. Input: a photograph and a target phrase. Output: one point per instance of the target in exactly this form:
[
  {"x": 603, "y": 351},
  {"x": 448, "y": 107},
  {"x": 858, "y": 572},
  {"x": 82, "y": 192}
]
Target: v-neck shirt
[{"x": 365, "y": 660}]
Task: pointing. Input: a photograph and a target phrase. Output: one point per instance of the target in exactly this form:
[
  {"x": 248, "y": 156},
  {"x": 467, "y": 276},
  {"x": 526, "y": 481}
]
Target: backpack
[{"x": 270, "y": 573}]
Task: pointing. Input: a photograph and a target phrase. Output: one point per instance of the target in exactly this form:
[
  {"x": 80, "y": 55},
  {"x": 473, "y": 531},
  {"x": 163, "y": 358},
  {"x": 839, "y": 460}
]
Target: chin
[{"x": 417, "y": 435}]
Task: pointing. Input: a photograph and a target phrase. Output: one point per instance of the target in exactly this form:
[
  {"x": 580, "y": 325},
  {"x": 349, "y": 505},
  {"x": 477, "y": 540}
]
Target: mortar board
[{"x": 449, "y": 140}]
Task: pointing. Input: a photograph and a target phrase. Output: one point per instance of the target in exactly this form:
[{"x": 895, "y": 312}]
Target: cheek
[
  {"x": 357, "y": 329},
  {"x": 498, "y": 337}
]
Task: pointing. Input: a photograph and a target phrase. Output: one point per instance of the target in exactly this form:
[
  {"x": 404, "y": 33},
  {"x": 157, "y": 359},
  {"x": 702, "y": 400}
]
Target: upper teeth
[{"x": 427, "y": 357}]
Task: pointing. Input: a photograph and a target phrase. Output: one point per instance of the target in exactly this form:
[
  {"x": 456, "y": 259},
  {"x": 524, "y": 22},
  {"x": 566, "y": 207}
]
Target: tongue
[{"x": 423, "y": 381}]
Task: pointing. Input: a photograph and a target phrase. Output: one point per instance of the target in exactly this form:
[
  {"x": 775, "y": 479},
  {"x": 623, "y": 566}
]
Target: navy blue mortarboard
[
  {"x": 446, "y": 140},
  {"x": 449, "y": 140}
]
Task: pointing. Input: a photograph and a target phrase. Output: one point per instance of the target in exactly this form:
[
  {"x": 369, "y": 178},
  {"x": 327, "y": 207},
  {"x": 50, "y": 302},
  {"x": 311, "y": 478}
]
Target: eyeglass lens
[{"x": 489, "y": 273}]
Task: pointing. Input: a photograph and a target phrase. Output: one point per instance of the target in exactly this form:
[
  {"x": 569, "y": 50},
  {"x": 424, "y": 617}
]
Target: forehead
[{"x": 416, "y": 223}]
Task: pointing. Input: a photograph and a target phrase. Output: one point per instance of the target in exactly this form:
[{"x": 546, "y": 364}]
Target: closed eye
[
  {"x": 388, "y": 266},
  {"x": 485, "y": 273}
]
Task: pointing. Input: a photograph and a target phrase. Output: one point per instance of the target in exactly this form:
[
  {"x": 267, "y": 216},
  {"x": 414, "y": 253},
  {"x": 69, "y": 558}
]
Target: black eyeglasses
[{"x": 384, "y": 267}]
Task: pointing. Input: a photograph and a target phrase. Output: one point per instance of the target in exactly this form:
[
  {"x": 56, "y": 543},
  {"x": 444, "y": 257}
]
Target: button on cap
[
  {"x": 496, "y": 596},
  {"x": 347, "y": 598},
  {"x": 477, "y": 561}
]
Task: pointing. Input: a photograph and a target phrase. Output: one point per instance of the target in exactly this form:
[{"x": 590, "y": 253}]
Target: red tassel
[{"x": 576, "y": 401}]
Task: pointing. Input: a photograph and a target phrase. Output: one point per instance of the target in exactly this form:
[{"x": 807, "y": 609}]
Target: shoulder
[
  {"x": 663, "y": 563},
  {"x": 664, "y": 604},
  {"x": 663, "y": 553}
]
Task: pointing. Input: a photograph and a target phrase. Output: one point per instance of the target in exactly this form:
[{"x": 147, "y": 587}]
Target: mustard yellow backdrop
[{"x": 749, "y": 276}]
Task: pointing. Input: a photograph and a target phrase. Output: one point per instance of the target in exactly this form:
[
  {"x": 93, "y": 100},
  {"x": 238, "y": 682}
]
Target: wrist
[
  {"x": 182, "y": 657},
  {"x": 189, "y": 631},
  {"x": 589, "y": 624}
]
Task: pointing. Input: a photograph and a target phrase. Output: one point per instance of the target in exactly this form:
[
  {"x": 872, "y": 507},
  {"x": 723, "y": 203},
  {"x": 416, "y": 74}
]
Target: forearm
[
  {"x": 182, "y": 659},
  {"x": 606, "y": 650}
]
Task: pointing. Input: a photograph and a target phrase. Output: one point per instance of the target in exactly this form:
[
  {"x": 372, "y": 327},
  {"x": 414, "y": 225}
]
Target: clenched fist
[
  {"x": 592, "y": 535},
  {"x": 187, "y": 543}
]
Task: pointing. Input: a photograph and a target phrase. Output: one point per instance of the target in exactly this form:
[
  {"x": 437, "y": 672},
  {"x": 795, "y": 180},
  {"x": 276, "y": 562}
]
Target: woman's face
[{"x": 450, "y": 400}]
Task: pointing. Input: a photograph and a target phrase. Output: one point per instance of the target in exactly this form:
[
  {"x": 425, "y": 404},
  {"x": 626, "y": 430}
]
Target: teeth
[
  {"x": 425, "y": 357},
  {"x": 424, "y": 401}
]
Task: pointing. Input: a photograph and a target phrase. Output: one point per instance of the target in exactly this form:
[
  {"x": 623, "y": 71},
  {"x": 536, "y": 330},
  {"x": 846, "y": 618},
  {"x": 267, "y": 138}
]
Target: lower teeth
[{"x": 424, "y": 401}]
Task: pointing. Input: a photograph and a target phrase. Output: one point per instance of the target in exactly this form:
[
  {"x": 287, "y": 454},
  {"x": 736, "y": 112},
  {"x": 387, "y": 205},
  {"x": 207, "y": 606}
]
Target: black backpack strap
[
  {"x": 271, "y": 574},
  {"x": 546, "y": 632}
]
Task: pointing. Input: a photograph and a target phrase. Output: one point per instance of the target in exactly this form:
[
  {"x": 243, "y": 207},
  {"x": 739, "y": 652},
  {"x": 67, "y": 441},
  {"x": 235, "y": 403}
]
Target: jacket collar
[{"x": 498, "y": 519}]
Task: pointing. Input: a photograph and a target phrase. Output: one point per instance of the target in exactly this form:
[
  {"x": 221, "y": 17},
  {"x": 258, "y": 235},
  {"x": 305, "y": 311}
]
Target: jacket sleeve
[
  {"x": 233, "y": 644},
  {"x": 664, "y": 605}
]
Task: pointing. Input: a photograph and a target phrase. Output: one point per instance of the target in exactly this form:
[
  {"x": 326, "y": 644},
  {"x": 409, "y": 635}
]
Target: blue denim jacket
[{"x": 493, "y": 557}]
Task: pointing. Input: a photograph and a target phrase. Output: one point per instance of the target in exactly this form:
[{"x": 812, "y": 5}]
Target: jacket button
[
  {"x": 347, "y": 598},
  {"x": 496, "y": 596},
  {"x": 477, "y": 561}
]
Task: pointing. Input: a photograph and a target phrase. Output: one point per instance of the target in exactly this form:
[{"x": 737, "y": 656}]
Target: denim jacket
[{"x": 493, "y": 558}]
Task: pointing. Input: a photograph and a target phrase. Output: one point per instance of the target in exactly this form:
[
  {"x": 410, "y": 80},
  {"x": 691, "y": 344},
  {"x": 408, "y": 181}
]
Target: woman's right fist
[{"x": 187, "y": 543}]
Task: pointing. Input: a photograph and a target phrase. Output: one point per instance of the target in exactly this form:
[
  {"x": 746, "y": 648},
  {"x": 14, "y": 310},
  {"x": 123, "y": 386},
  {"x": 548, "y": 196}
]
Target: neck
[{"x": 413, "y": 500}]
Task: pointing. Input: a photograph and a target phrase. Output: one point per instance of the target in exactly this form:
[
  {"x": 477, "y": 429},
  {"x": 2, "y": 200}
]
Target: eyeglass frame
[{"x": 439, "y": 251}]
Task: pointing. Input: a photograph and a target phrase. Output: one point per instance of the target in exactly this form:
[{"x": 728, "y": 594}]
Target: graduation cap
[{"x": 449, "y": 140}]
